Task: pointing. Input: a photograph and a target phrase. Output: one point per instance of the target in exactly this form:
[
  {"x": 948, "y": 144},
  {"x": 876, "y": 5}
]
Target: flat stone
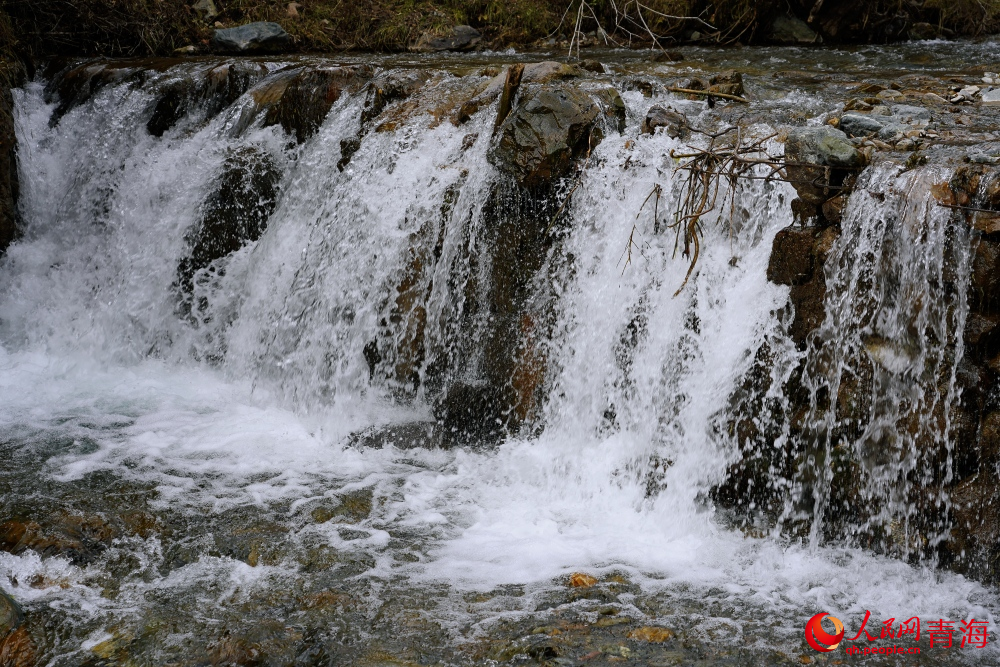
[
  {"x": 991, "y": 96},
  {"x": 859, "y": 125},
  {"x": 911, "y": 115},
  {"x": 261, "y": 37}
]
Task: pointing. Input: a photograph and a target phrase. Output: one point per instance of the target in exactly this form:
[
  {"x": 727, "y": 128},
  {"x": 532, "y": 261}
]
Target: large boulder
[
  {"x": 540, "y": 139},
  {"x": 260, "y": 37},
  {"x": 818, "y": 160},
  {"x": 461, "y": 38}
]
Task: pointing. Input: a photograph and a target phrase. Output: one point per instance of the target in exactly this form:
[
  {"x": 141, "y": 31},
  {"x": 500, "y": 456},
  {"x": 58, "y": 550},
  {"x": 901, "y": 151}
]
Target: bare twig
[{"x": 709, "y": 93}]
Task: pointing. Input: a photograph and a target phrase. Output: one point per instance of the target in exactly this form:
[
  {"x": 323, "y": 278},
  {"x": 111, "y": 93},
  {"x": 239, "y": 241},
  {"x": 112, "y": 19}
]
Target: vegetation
[{"x": 157, "y": 27}]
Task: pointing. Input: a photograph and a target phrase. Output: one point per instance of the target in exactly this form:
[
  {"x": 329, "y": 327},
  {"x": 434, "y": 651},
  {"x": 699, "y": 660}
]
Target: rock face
[
  {"x": 797, "y": 259},
  {"x": 461, "y": 38},
  {"x": 9, "y": 187},
  {"x": 212, "y": 91},
  {"x": 261, "y": 37},
  {"x": 235, "y": 214},
  {"x": 540, "y": 139}
]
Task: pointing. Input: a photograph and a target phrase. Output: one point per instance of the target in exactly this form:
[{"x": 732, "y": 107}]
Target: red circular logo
[{"x": 816, "y": 634}]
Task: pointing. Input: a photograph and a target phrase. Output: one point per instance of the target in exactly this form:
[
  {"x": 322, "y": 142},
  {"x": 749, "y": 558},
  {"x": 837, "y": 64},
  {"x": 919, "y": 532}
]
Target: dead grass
[{"x": 157, "y": 27}]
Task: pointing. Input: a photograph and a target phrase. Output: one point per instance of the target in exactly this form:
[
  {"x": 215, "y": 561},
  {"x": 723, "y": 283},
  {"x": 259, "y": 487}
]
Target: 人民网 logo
[{"x": 815, "y": 634}]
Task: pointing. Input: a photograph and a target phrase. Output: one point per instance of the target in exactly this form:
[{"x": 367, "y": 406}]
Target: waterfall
[{"x": 239, "y": 307}]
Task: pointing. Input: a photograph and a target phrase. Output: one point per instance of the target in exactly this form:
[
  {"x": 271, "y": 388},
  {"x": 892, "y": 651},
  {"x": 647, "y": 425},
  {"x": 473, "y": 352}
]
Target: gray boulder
[
  {"x": 819, "y": 157},
  {"x": 860, "y": 125},
  {"x": 461, "y": 38},
  {"x": 549, "y": 128},
  {"x": 261, "y": 37},
  {"x": 906, "y": 113}
]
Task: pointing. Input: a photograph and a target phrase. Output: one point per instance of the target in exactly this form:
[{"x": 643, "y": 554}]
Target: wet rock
[
  {"x": 9, "y": 184},
  {"x": 260, "y": 37},
  {"x": 550, "y": 127},
  {"x": 461, "y": 38},
  {"x": 18, "y": 650},
  {"x": 476, "y": 412},
  {"x": 79, "y": 538},
  {"x": 792, "y": 257},
  {"x": 797, "y": 256},
  {"x": 833, "y": 155},
  {"x": 890, "y": 95},
  {"x": 892, "y": 132},
  {"x": 651, "y": 634},
  {"x": 984, "y": 283},
  {"x": 543, "y": 72},
  {"x": 11, "y": 616},
  {"x": 674, "y": 123},
  {"x": 613, "y": 108},
  {"x": 593, "y": 66},
  {"x": 425, "y": 435},
  {"x": 790, "y": 30},
  {"x": 729, "y": 82},
  {"x": 860, "y": 125},
  {"x": 307, "y": 97},
  {"x": 211, "y": 91},
  {"x": 234, "y": 214},
  {"x": 833, "y": 209},
  {"x": 581, "y": 580},
  {"x": 391, "y": 87}
]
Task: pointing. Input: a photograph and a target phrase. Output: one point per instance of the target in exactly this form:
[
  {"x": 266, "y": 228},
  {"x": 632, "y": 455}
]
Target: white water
[{"x": 93, "y": 350}]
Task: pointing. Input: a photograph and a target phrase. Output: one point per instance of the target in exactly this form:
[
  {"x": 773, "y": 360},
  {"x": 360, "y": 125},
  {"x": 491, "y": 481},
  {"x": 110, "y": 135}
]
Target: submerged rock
[
  {"x": 549, "y": 128},
  {"x": 461, "y": 38},
  {"x": 260, "y": 37}
]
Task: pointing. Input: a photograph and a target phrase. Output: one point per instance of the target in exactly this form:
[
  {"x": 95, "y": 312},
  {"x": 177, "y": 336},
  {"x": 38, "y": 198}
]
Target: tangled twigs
[
  {"x": 627, "y": 254},
  {"x": 707, "y": 169}
]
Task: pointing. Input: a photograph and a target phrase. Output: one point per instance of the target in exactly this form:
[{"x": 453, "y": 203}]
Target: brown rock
[
  {"x": 18, "y": 650},
  {"x": 581, "y": 580},
  {"x": 651, "y": 634},
  {"x": 833, "y": 209},
  {"x": 729, "y": 82},
  {"x": 792, "y": 256}
]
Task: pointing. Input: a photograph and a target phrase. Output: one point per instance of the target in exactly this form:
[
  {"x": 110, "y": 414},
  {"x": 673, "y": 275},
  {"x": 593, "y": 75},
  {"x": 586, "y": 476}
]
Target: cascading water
[{"x": 242, "y": 422}]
